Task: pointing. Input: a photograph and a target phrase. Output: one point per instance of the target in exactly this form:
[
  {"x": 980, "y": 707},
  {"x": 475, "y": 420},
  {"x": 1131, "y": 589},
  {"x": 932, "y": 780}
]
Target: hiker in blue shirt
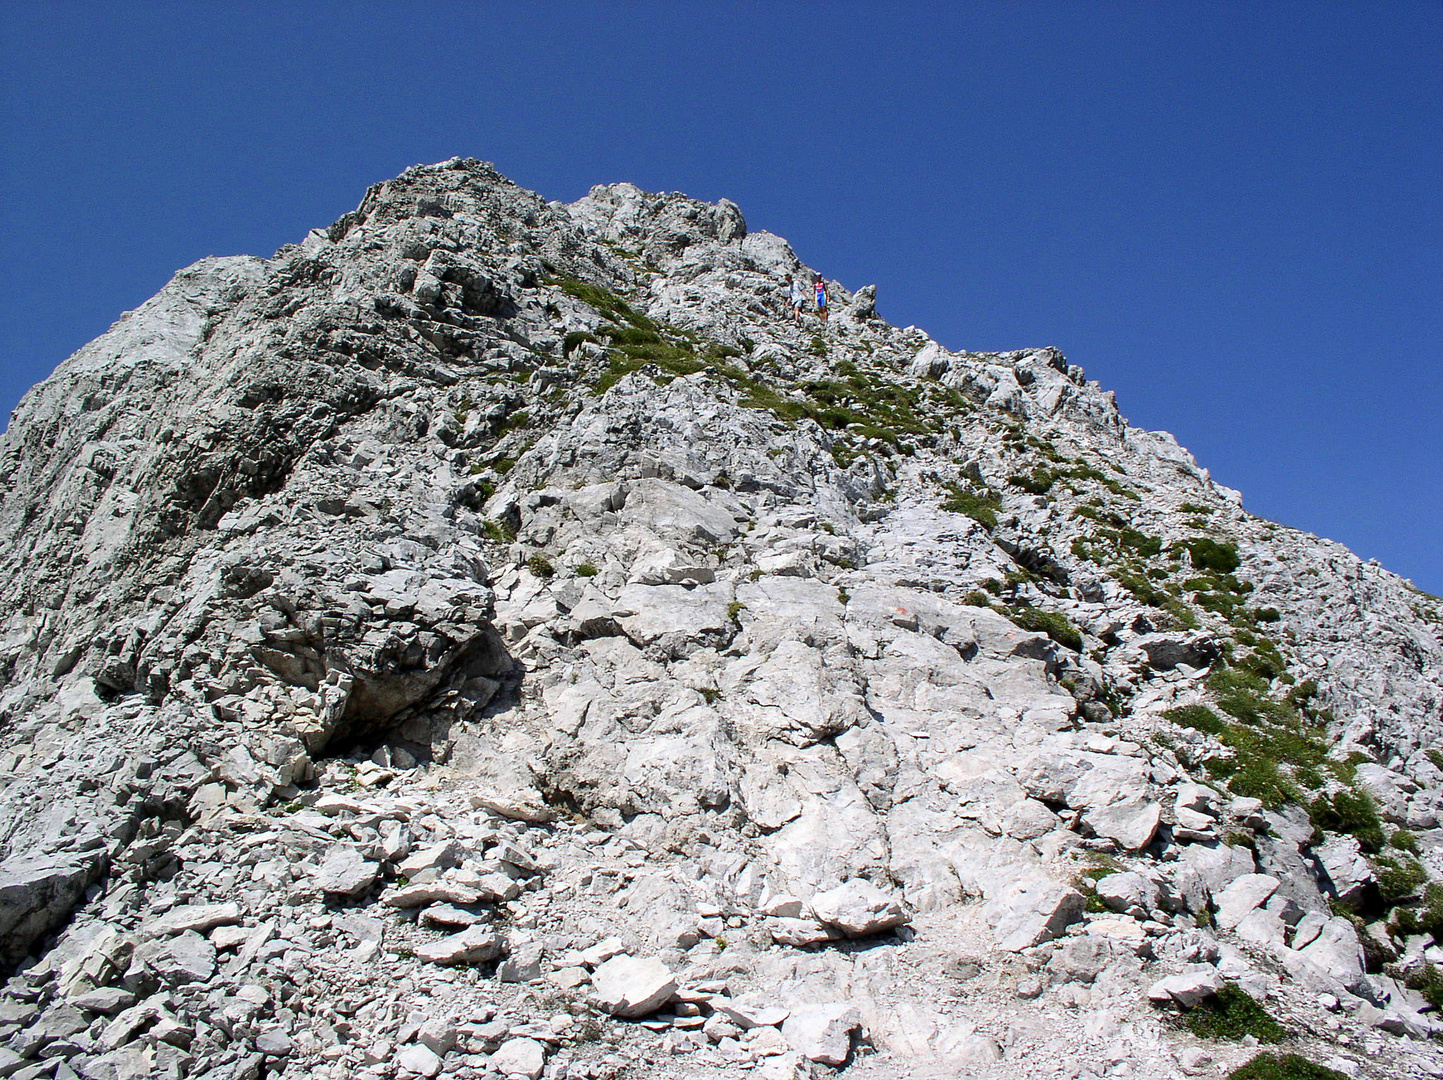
[{"x": 821, "y": 287}]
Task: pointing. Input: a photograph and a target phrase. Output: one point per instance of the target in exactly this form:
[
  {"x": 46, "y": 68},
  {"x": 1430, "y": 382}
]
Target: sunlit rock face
[{"x": 495, "y": 634}]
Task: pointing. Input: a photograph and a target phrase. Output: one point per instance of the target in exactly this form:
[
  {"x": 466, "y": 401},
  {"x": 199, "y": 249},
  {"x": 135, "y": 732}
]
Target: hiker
[
  {"x": 821, "y": 287},
  {"x": 797, "y": 294}
]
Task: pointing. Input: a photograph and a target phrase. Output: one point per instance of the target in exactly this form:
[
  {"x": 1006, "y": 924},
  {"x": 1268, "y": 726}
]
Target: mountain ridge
[{"x": 552, "y": 517}]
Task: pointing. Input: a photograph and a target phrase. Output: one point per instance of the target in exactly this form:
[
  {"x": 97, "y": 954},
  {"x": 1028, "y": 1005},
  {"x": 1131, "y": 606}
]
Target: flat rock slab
[
  {"x": 748, "y": 1015},
  {"x": 1187, "y": 988},
  {"x": 346, "y": 872},
  {"x": 434, "y": 892},
  {"x": 474, "y": 945},
  {"x": 200, "y": 918},
  {"x": 633, "y": 986},
  {"x": 1241, "y": 896},
  {"x": 1132, "y": 823},
  {"x": 417, "y": 1060},
  {"x": 449, "y": 916},
  {"x": 37, "y": 895}
]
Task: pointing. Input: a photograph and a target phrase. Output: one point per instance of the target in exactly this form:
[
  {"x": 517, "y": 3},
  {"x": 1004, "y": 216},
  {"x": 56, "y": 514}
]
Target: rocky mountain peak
[{"x": 493, "y": 636}]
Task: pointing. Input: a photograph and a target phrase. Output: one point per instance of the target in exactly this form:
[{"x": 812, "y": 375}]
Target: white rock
[
  {"x": 441, "y": 856},
  {"x": 418, "y": 1060},
  {"x": 197, "y": 917},
  {"x": 1349, "y": 873},
  {"x": 434, "y": 892},
  {"x": 474, "y": 945},
  {"x": 437, "y": 1034},
  {"x": 1337, "y": 952},
  {"x": 1128, "y": 892},
  {"x": 747, "y": 1015},
  {"x": 522, "y": 964},
  {"x": 1262, "y": 927},
  {"x": 632, "y": 986},
  {"x": 858, "y": 909},
  {"x": 1187, "y": 988},
  {"x": 1032, "y": 910},
  {"x": 823, "y": 1033},
  {"x": 1242, "y": 896},
  {"x": 783, "y": 905},
  {"x": 1198, "y": 798},
  {"x": 346, "y": 872},
  {"x": 800, "y": 933},
  {"x": 520, "y": 1057},
  {"x": 1132, "y": 823}
]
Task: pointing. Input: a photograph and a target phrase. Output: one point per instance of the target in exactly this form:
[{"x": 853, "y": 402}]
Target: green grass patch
[
  {"x": 1198, "y": 717},
  {"x": 1398, "y": 879},
  {"x": 586, "y": 569},
  {"x": 498, "y": 531},
  {"x": 1424, "y": 917},
  {"x": 1405, "y": 840},
  {"x": 1210, "y": 554},
  {"x": 981, "y": 508},
  {"x": 1428, "y": 981},
  {"x": 575, "y": 338},
  {"x": 1351, "y": 812},
  {"x": 1037, "y": 482},
  {"x": 1283, "y": 1067},
  {"x": 1275, "y": 751},
  {"x": 540, "y": 565},
  {"x": 1232, "y": 1013},
  {"x": 1054, "y": 624}
]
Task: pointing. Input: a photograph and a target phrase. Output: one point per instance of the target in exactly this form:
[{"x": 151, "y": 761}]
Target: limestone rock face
[{"x": 491, "y": 634}]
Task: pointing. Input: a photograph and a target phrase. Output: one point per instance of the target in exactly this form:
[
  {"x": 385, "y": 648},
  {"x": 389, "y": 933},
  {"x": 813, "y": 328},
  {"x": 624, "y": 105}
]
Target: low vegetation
[
  {"x": 981, "y": 507},
  {"x": 1283, "y": 1067},
  {"x": 1232, "y": 1013}
]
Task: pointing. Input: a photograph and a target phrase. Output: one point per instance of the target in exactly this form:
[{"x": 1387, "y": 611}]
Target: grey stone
[
  {"x": 823, "y": 1033},
  {"x": 36, "y": 896},
  {"x": 474, "y": 945},
  {"x": 520, "y": 1057},
  {"x": 632, "y": 986},
  {"x": 858, "y": 909},
  {"x": 346, "y": 872},
  {"x": 1187, "y": 988},
  {"x": 418, "y": 1060},
  {"x": 1241, "y": 896},
  {"x": 197, "y": 918},
  {"x": 1032, "y": 910},
  {"x": 1129, "y": 892}
]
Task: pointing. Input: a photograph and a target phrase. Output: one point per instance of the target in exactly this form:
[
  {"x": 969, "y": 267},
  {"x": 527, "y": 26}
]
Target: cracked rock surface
[{"x": 491, "y": 638}]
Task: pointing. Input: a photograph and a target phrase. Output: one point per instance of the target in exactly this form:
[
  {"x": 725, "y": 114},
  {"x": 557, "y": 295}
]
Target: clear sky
[{"x": 1231, "y": 213}]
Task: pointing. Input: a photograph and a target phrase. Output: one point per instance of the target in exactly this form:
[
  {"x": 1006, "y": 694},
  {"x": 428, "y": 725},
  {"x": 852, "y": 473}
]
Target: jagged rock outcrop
[{"x": 490, "y": 621}]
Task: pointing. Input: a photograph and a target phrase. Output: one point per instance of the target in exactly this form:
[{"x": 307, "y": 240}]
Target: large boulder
[
  {"x": 1187, "y": 988},
  {"x": 633, "y": 986},
  {"x": 474, "y": 945},
  {"x": 1242, "y": 896},
  {"x": 823, "y": 1033},
  {"x": 1337, "y": 952},
  {"x": 1032, "y": 910},
  {"x": 37, "y": 895},
  {"x": 859, "y": 909},
  {"x": 1349, "y": 874}
]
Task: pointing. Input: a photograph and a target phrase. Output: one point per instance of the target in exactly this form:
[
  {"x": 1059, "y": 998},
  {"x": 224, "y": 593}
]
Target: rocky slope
[{"x": 492, "y": 638}]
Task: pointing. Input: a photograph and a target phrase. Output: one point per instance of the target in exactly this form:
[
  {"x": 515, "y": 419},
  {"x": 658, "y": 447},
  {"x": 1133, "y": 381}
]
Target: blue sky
[{"x": 1229, "y": 213}]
